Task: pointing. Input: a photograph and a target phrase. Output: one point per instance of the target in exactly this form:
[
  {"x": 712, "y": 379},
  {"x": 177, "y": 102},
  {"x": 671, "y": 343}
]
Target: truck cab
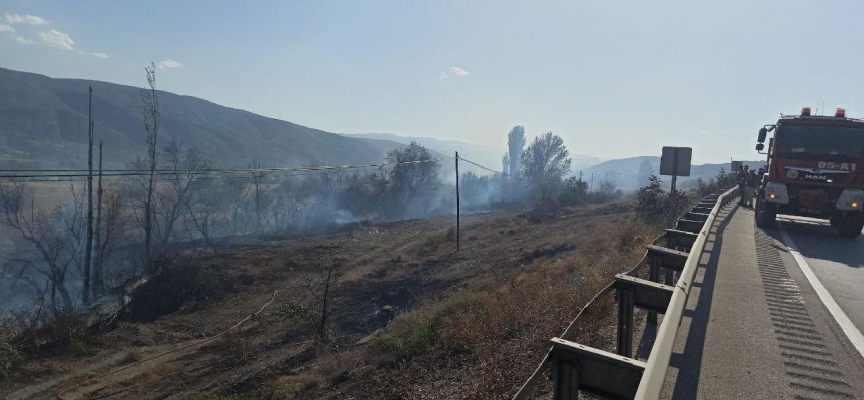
[{"x": 814, "y": 170}]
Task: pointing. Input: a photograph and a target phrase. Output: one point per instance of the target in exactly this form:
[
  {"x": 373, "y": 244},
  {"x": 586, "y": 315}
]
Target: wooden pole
[
  {"x": 97, "y": 263},
  {"x": 89, "y": 249},
  {"x": 458, "y": 244}
]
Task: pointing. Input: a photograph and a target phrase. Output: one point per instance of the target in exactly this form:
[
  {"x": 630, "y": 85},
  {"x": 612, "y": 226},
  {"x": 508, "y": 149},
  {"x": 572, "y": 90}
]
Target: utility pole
[
  {"x": 89, "y": 250},
  {"x": 97, "y": 262},
  {"x": 458, "y": 244}
]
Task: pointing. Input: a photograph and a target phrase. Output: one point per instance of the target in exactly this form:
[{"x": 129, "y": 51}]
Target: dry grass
[
  {"x": 487, "y": 340},
  {"x": 290, "y": 385}
]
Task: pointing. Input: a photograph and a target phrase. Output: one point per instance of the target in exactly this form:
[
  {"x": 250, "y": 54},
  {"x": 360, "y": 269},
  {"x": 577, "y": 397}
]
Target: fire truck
[{"x": 814, "y": 170}]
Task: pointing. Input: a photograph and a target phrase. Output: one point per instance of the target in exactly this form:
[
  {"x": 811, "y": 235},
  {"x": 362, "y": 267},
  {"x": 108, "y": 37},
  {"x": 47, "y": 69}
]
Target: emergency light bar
[
  {"x": 841, "y": 113},
  {"x": 805, "y": 112}
]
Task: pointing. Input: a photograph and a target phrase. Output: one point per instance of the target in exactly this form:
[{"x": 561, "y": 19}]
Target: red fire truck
[{"x": 814, "y": 170}]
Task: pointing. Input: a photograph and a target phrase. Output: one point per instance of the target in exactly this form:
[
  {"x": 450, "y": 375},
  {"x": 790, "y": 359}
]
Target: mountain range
[
  {"x": 628, "y": 174},
  {"x": 43, "y": 124}
]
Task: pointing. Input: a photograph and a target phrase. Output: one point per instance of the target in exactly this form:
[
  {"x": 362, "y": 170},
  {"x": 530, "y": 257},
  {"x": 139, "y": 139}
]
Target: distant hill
[
  {"x": 489, "y": 156},
  {"x": 626, "y": 172},
  {"x": 43, "y": 124}
]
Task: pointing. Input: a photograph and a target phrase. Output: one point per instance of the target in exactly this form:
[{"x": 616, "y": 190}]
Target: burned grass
[{"x": 411, "y": 315}]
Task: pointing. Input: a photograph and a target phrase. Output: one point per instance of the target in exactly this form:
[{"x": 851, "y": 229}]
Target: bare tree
[
  {"x": 113, "y": 223},
  {"x": 316, "y": 304},
  {"x": 204, "y": 206},
  {"x": 152, "y": 120},
  {"x": 235, "y": 192},
  {"x": 260, "y": 200},
  {"x": 184, "y": 168},
  {"x": 56, "y": 237}
]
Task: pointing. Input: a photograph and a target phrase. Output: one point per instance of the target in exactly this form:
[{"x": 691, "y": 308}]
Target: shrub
[
  {"x": 176, "y": 285},
  {"x": 9, "y": 357}
]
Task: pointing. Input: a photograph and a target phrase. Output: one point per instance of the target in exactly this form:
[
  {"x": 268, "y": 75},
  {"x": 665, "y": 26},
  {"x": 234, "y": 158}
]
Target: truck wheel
[
  {"x": 766, "y": 213},
  {"x": 850, "y": 227}
]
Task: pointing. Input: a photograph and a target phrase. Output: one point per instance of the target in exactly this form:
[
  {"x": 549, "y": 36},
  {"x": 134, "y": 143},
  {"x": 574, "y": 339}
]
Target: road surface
[{"x": 774, "y": 313}]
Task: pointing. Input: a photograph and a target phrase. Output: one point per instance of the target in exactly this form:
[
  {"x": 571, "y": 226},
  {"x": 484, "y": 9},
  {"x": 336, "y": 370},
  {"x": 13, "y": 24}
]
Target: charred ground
[{"x": 409, "y": 316}]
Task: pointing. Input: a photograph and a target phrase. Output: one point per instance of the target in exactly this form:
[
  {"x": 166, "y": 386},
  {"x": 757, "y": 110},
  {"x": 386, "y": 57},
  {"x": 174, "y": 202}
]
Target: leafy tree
[
  {"x": 516, "y": 145},
  {"x": 546, "y": 160},
  {"x": 651, "y": 200},
  {"x": 505, "y": 164},
  {"x": 414, "y": 174},
  {"x": 573, "y": 191}
]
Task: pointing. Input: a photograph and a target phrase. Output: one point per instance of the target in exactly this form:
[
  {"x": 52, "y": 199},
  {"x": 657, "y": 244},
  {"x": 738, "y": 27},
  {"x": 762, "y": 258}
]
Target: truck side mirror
[
  {"x": 762, "y": 134},
  {"x": 759, "y": 146}
]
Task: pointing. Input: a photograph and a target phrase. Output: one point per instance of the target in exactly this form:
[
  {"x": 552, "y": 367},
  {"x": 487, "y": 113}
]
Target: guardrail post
[
  {"x": 625, "y": 322},
  {"x": 565, "y": 379},
  {"x": 654, "y": 276},
  {"x": 669, "y": 277}
]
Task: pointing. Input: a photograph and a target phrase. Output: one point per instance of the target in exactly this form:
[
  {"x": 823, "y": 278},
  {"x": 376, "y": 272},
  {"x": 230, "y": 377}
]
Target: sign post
[{"x": 675, "y": 162}]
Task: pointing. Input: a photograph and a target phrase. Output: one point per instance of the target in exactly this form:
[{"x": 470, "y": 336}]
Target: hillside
[
  {"x": 45, "y": 126},
  {"x": 625, "y": 172}
]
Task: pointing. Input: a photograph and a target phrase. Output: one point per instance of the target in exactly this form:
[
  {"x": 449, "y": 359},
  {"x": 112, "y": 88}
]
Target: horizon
[{"x": 641, "y": 76}]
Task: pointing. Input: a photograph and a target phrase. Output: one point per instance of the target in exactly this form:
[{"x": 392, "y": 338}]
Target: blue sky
[{"x": 615, "y": 79}]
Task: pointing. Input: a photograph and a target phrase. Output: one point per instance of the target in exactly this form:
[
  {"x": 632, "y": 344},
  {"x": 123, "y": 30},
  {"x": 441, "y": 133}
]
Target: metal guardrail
[{"x": 574, "y": 367}]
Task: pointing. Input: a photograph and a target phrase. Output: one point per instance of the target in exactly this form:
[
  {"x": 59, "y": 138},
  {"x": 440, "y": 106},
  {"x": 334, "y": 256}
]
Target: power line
[
  {"x": 490, "y": 169},
  {"x": 132, "y": 173}
]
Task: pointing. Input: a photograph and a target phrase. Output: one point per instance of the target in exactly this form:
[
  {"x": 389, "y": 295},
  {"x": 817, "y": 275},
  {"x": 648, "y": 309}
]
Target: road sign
[
  {"x": 676, "y": 161},
  {"x": 736, "y": 165}
]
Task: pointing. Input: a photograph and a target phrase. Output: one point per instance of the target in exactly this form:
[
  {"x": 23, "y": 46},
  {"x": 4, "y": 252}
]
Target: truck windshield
[{"x": 822, "y": 142}]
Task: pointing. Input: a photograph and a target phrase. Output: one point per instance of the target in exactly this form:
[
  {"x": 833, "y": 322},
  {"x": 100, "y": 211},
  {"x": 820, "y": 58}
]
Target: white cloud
[
  {"x": 52, "y": 37},
  {"x": 25, "y": 19},
  {"x": 55, "y": 38},
  {"x": 23, "y": 40},
  {"x": 169, "y": 63},
  {"x": 460, "y": 72},
  {"x": 442, "y": 75},
  {"x": 97, "y": 55}
]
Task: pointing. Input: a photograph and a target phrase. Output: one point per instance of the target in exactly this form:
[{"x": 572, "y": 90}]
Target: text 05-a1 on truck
[{"x": 814, "y": 170}]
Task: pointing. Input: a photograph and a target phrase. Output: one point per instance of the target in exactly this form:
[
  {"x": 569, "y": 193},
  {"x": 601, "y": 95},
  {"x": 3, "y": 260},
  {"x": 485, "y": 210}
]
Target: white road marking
[{"x": 842, "y": 319}]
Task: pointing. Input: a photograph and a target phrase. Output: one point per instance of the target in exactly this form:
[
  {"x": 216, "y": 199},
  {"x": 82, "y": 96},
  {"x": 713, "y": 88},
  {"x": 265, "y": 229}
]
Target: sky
[{"x": 613, "y": 78}]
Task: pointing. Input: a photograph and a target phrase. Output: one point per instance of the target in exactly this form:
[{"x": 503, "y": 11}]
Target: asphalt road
[
  {"x": 758, "y": 325},
  {"x": 838, "y": 263}
]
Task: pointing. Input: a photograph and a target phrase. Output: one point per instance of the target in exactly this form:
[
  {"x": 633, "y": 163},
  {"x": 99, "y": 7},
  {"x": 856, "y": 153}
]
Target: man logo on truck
[{"x": 816, "y": 177}]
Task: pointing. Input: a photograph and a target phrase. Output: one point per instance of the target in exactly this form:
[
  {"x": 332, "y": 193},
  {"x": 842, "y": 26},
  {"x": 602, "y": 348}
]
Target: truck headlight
[
  {"x": 850, "y": 199},
  {"x": 776, "y": 193}
]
